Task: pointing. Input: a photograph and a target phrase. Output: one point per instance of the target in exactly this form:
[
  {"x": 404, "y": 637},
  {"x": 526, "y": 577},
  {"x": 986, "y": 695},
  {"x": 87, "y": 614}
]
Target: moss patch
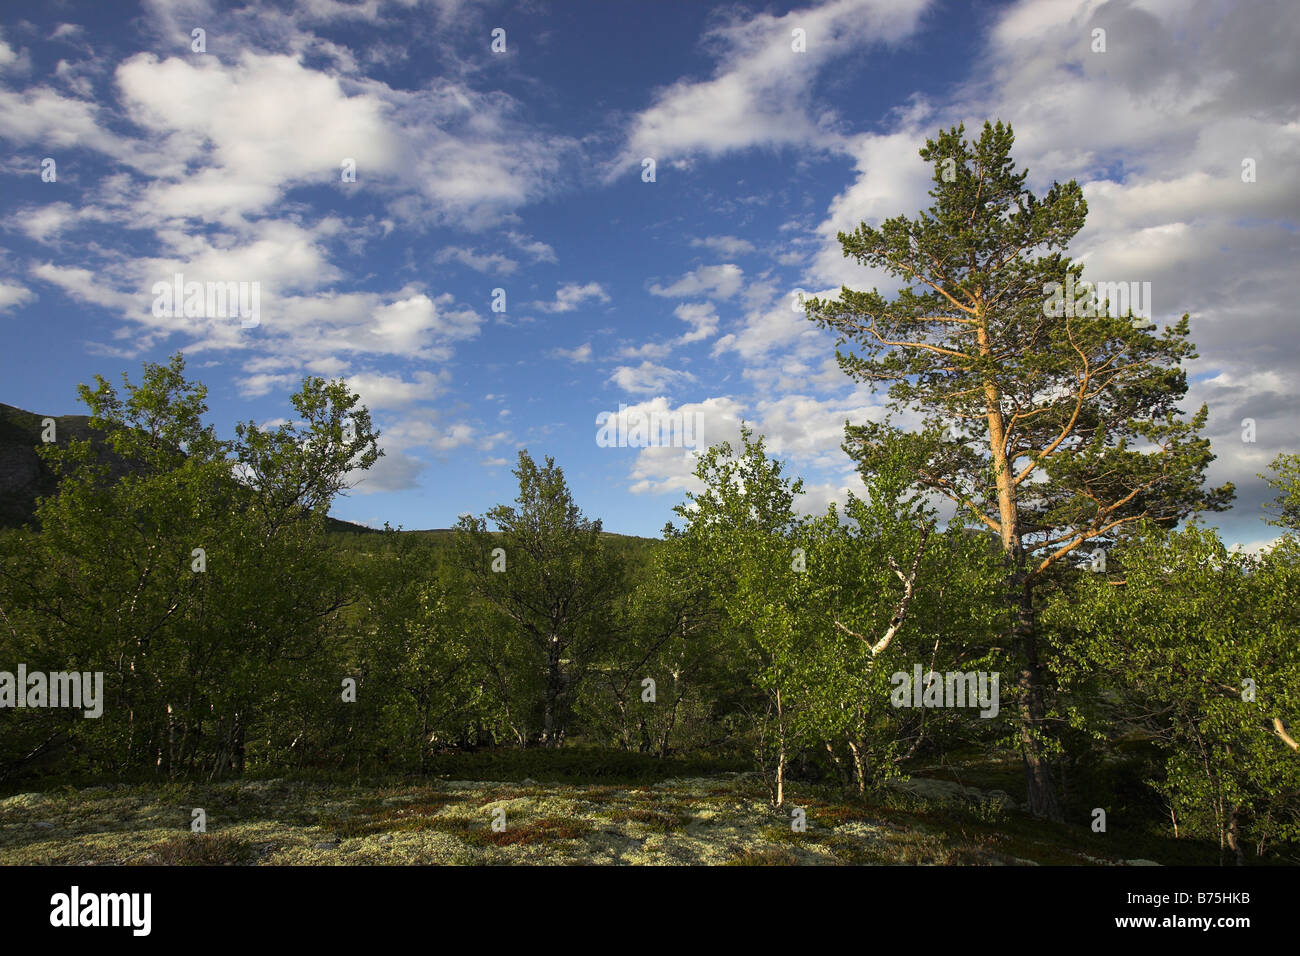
[
  {"x": 710, "y": 820},
  {"x": 202, "y": 849}
]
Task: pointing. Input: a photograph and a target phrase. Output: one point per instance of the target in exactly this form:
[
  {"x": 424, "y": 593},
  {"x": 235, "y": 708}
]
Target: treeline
[{"x": 235, "y": 633}]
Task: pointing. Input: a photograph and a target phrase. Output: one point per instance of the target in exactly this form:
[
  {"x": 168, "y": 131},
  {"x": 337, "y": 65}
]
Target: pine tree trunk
[{"x": 1040, "y": 785}]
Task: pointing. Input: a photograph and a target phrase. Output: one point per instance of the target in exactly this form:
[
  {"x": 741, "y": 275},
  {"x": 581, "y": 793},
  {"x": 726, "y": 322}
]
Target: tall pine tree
[{"x": 1054, "y": 430}]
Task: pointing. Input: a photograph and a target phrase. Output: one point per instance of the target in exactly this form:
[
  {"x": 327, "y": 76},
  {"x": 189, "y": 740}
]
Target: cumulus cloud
[
  {"x": 535, "y": 249},
  {"x": 257, "y": 126},
  {"x": 702, "y": 317},
  {"x": 571, "y": 295},
  {"x": 580, "y": 354},
  {"x": 775, "y": 324},
  {"x": 720, "y": 282},
  {"x": 664, "y": 469},
  {"x": 647, "y": 378},
  {"x": 728, "y": 246},
  {"x": 378, "y": 390},
  {"x": 803, "y": 430},
  {"x": 647, "y": 350},
  {"x": 480, "y": 262},
  {"x": 760, "y": 93},
  {"x": 13, "y": 294},
  {"x": 394, "y": 471}
]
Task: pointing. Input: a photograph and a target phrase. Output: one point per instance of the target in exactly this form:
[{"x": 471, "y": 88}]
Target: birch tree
[{"x": 546, "y": 570}]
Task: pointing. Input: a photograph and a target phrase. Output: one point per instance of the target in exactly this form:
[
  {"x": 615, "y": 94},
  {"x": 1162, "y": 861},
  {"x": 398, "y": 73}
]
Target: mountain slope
[{"x": 24, "y": 477}]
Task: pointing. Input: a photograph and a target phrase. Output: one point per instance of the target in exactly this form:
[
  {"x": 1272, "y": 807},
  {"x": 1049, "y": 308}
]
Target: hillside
[{"x": 24, "y": 476}]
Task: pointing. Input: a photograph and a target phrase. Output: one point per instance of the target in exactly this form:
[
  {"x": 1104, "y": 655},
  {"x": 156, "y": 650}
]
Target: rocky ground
[{"x": 723, "y": 819}]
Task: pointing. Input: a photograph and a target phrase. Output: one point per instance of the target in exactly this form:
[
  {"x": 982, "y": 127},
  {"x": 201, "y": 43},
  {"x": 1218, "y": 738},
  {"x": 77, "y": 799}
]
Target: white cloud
[
  {"x": 802, "y": 430},
  {"x": 45, "y": 116},
  {"x": 75, "y": 77},
  {"x": 225, "y": 140},
  {"x": 891, "y": 179},
  {"x": 647, "y": 350},
  {"x": 701, "y": 317},
  {"x": 760, "y": 93},
  {"x": 480, "y": 262},
  {"x": 378, "y": 390},
  {"x": 258, "y": 126},
  {"x": 83, "y": 285},
  {"x": 264, "y": 383},
  {"x": 647, "y": 378},
  {"x": 571, "y": 295},
  {"x": 728, "y": 246},
  {"x": 394, "y": 471},
  {"x": 810, "y": 430},
  {"x": 719, "y": 282},
  {"x": 68, "y": 31},
  {"x": 424, "y": 432},
  {"x": 660, "y": 470},
  {"x": 580, "y": 354},
  {"x": 817, "y": 496},
  {"x": 535, "y": 249},
  {"x": 454, "y": 437},
  {"x": 14, "y": 294},
  {"x": 775, "y": 324}
]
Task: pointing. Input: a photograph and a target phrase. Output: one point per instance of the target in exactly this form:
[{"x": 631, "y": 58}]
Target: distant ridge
[{"x": 24, "y": 477}]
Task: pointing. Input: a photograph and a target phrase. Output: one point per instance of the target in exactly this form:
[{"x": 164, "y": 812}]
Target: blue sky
[{"x": 522, "y": 171}]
